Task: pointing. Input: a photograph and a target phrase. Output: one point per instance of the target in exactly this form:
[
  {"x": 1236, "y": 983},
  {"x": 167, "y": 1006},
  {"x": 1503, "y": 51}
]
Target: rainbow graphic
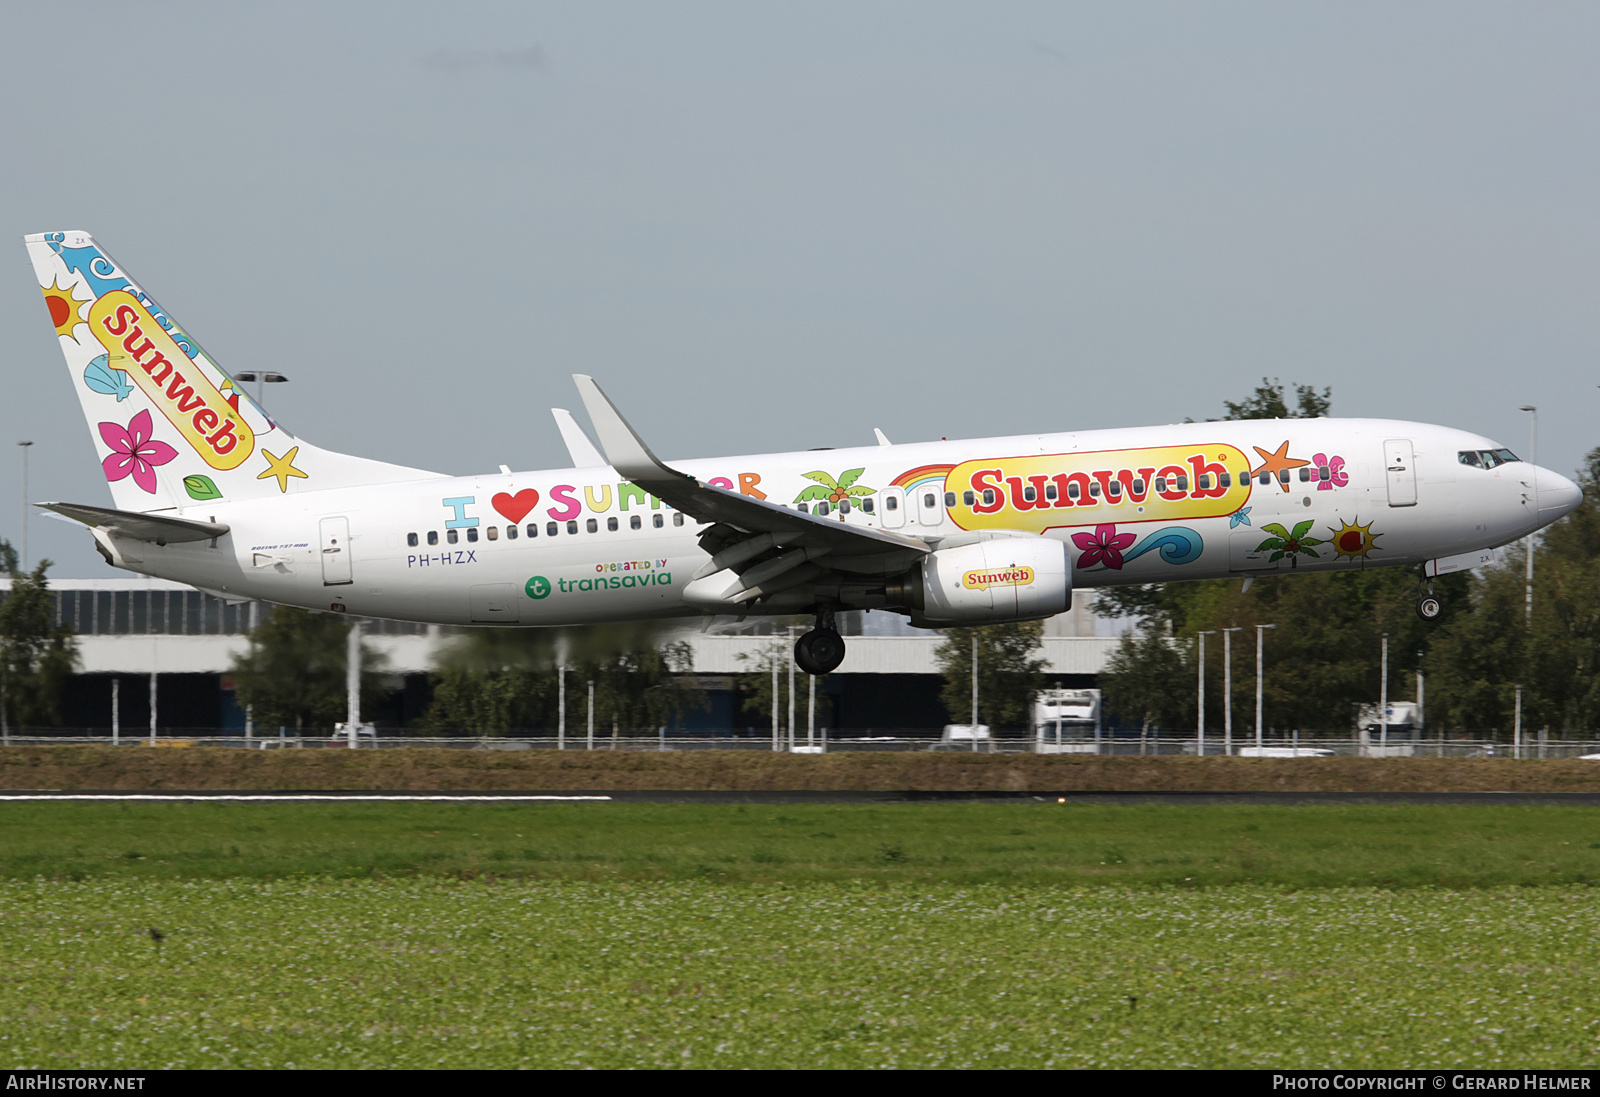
[{"x": 915, "y": 478}]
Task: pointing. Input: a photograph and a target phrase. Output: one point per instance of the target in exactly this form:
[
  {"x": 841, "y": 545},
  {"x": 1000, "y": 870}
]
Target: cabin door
[
  {"x": 335, "y": 552},
  {"x": 1400, "y": 468}
]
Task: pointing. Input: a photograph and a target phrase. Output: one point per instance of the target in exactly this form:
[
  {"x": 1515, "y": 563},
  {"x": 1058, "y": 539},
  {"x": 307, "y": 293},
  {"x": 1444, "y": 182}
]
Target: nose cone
[{"x": 1557, "y": 495}]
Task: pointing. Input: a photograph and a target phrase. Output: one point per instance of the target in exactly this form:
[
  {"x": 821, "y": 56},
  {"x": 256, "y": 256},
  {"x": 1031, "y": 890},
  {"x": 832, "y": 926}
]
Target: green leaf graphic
[{"x": 201, "y": 487}]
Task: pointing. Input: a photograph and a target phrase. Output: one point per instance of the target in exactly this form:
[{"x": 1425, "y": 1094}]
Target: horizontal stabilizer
[{"x": 141, "y": 527}]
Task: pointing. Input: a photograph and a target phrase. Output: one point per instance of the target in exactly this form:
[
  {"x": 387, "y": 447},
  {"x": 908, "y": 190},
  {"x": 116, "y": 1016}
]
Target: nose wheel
[
  {"x": 1428, "y": 606},
  {"x": 819, "y": 651}
]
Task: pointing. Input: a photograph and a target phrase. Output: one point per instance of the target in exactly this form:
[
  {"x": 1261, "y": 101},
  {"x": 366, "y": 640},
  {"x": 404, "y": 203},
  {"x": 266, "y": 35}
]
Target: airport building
[{"x": 141, "y": 639}]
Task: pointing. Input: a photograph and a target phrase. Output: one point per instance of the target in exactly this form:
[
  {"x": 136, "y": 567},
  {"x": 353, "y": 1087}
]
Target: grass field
[{"x": 938, "y": 934}]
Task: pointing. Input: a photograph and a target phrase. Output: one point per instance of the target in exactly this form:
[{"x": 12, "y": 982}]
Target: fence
[{"x": 1120, "y": 742}]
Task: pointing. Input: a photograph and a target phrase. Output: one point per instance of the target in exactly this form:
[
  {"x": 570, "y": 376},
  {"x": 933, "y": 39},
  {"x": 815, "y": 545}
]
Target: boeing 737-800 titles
[{"x": 209, "y": 490}]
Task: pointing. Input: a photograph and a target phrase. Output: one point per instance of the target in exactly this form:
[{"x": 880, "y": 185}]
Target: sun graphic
[
  {"x": 63, "y": 308},
  {"x": 1351, "y": 541}
]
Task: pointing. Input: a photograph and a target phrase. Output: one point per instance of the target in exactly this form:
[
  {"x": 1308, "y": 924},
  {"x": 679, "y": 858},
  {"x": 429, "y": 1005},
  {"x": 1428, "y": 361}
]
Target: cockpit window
[{"x": 1486, "y": 458}]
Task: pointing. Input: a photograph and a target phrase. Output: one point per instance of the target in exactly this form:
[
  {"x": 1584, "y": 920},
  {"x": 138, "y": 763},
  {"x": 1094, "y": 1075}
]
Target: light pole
[
  {"x": 1260, "y": 632},
  {"x": 1227, "y": 688},
  {"x": 974, "y": 690},
  {"x": 24, "y": 446},
  {"x": 260, "y": 378},
  {"x": 1383, "y": 699},
  {"x": 1200, "y": 727},
  {"x": 1533, "y": 459}
]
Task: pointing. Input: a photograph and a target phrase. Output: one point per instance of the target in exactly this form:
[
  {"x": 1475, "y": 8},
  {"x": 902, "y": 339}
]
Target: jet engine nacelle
[{"x": 1003, "y": 579}]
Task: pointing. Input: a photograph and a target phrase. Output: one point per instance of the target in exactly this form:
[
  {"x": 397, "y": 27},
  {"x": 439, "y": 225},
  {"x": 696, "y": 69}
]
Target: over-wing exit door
[
  {"x": 1401, "y": 470},
  {"x": 335, "y": 551}
]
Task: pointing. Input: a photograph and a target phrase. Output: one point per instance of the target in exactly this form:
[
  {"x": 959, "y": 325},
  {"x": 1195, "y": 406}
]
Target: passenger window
[
  {"x": 929, "y": 501},
  {"x": 592, "y": 525},
  {"x": 1050, "y": 492},
  {"x": 572, "y": 526},
  {"x": 1203, "y": 481},
  {"x": 472, "y": 534},
  {"x": 802, "y": 508},
  {"x": 677, "y": 518},
  {"x": 890, "y": 503},
  {"x": 511, "y": 533},
  {"x": 634, "y": 522},
  {"x": 1265, "y": 477},
  {"x": 1324, "y": 473},
  {"x": 1183, "y": 483},
  {"x": 494, "y": 533},
  {"x": 411, "y": 540},
  {"x": 822, "y": 510},
  {"x": 844, "y": 506},
  {"x": 1094, "y": 490},
  {"x": 1029, "y": 495},
  {"x": 1283, "y": 476},
  {"x": 1226, "y": 479},
  {"x": 1116, "y": 488},
  {"x": 658, "y": 520},
  {"x": 1138, "y": 487},
  {"x": 1305, "y": 474},
  {"x": 551, "y": 529},
  {"x": 866, "y": 505},
  {"x": 1073, "y": 491},
  {"x": 949, "y": 500},
  {"x": 433, "y": 537},
  {"x": 988, "y": 497},
  {"x": 450, "y": 535},
  {"x": 968, "y": 498},
  {"x": 1161, "y": 483},
  {"x": 611, "y": 525}
]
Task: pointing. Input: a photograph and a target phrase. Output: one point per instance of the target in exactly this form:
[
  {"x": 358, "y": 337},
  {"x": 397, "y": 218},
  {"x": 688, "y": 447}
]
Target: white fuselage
[{"x": 1353, "y": 493}]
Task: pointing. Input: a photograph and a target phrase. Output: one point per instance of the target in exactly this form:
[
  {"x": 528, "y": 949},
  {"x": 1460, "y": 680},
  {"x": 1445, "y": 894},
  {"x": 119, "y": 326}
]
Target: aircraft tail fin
[{"x": 171, "y": 427}]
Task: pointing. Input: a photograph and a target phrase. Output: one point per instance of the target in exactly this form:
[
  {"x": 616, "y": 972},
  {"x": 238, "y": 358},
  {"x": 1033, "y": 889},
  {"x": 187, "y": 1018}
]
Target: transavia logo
[
  {"x": 1006, "y": 577},
  {"x": 539, "y": 586}
]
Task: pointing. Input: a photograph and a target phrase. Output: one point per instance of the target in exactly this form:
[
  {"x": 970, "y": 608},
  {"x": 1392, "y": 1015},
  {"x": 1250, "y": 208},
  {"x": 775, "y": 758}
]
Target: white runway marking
[{"x": 286, "y": 796}]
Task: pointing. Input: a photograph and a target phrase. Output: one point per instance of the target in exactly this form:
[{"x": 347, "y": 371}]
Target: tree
[
  {"x": 293, "y": 674},
  {"x": 1267, "y": 402},
  {"x": 755, "y": 686},
  {"x": 1141, "y": 680},
  {"x": 1010, "y": 672},
  {"x": 37, "y": 657}
]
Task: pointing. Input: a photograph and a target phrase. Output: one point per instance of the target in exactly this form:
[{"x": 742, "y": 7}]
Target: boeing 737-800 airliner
[{"x": 209, "y": 490}]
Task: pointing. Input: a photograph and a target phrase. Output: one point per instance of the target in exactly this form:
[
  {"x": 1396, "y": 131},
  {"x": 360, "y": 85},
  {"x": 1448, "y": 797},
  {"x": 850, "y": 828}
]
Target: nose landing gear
[
  {"x": 821, "y": 650},
  {"x": 1428, "y": 606}
]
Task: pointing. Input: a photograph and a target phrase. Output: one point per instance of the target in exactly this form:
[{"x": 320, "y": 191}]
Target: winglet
[
  {"x": 883, "y": 439},
  {"x": 582, "y": 451},
  {"x": 625, "y": 451}
]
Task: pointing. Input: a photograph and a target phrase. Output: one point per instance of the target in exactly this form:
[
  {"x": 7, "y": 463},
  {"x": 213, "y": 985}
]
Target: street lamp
[
  {"x": 24, "y": 446},
  {"x": 1200, "y": 728},
  {"x": 260, "y": 378},
  {"x": 1227, "y": 688},
  {"x": 1260, "y": 632},
  {"x": 1533, "y": 459}
]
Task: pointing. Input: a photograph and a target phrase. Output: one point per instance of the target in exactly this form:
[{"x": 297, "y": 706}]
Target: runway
[{"x": 801, "y": 796}]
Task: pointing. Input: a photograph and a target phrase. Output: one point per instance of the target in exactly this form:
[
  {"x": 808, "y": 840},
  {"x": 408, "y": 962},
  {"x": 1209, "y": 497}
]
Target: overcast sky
[{"x": 774, "y": 226}]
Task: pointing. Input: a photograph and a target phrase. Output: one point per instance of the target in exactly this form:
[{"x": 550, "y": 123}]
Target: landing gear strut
[
  {"x": 1428, "y": 606},
  {"x": 821, "y": 650}
]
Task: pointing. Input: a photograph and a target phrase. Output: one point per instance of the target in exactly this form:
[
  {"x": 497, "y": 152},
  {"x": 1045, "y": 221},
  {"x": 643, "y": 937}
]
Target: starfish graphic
[
  {"x": 1276, "y": 461},
  {"x": 1240, "y": 517},
  {"x": 283, "y": 468}
]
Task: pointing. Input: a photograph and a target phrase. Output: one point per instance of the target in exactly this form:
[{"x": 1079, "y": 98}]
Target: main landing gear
[
  {"x": 1428, "y": 605},
  {"x": 821, "y": 650}
]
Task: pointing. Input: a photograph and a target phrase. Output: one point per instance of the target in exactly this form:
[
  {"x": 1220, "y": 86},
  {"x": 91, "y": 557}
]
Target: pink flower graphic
[
  {"x": 1336, "y": 478},
  {"x": 134, "y": 453},
  {"x": 1104, "y": 545}
]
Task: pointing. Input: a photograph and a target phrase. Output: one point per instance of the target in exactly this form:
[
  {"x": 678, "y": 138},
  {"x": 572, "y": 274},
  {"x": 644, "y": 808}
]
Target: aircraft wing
[
  {"x": 140, "y": 527},
  {"x": 803, "y": 537}
]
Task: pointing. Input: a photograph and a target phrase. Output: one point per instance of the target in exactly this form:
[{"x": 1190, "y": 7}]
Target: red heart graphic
[{"x": 516, "y": 507}]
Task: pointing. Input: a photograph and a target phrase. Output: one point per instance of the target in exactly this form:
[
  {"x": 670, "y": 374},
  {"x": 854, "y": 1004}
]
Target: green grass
[
  {"x": 442, "y": 973},
  {"x": 952, "y": 934},
  {"x": 964, "y": 843}
]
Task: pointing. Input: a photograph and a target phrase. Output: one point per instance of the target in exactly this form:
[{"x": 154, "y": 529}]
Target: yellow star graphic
[{"x": 282, "y": 468}]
